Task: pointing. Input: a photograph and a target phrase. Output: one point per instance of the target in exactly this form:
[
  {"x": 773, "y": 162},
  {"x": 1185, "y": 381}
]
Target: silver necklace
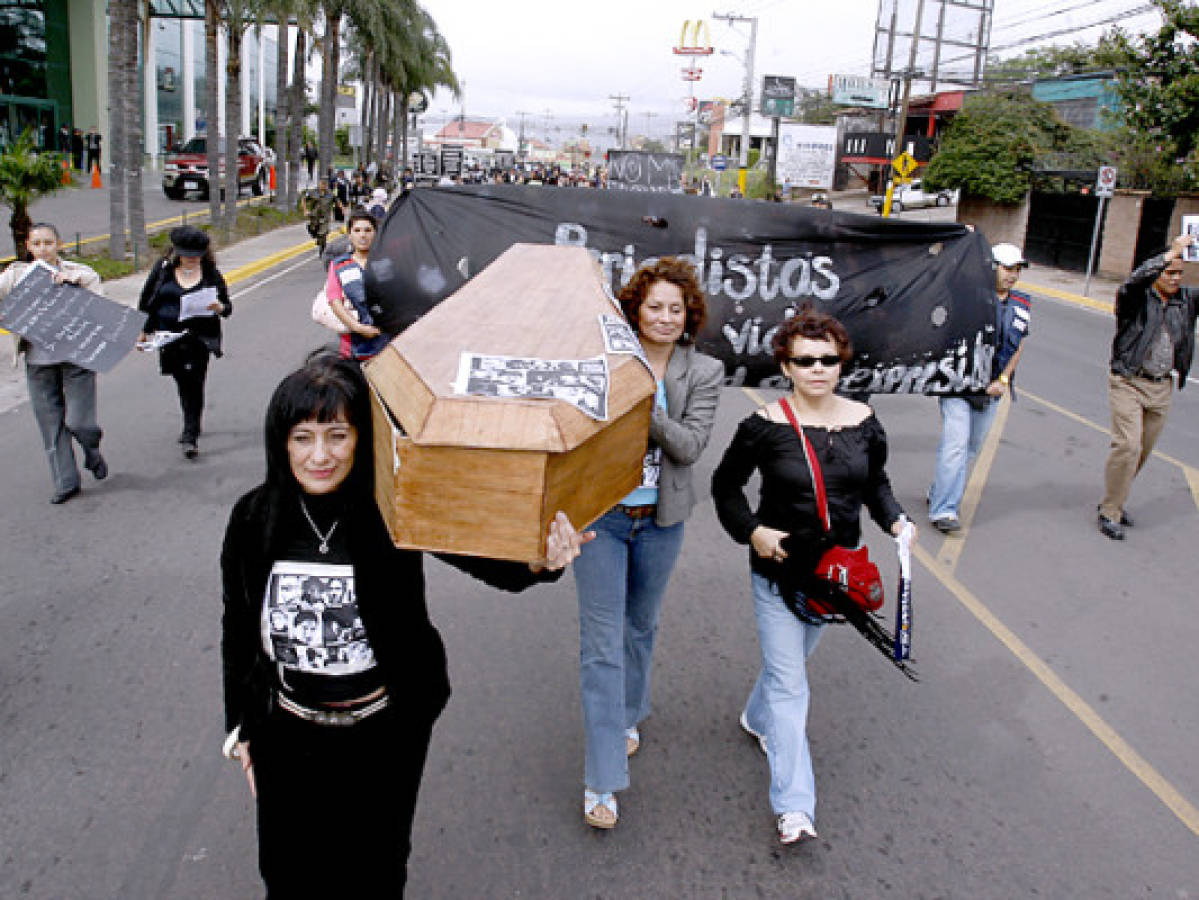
[{"x": 324, "y": 538}]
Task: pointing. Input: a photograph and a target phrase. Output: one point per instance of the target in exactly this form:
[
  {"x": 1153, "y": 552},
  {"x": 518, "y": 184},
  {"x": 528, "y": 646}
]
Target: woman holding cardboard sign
[
  {"x": 185, "y": 298},
  {"x": 622, "y": 575},
  {"x": 331, "y": 665}
]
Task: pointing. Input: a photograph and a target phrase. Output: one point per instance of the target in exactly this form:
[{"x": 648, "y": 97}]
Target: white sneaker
[
  {"x": 761, "y": 737},
  {"x": 795, "y": 826}
]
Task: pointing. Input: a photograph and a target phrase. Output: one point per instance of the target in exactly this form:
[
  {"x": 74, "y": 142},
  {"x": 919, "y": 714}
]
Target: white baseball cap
[
  {"x": 1008, "y": 255},
  {"x": 379, "y": 195}
]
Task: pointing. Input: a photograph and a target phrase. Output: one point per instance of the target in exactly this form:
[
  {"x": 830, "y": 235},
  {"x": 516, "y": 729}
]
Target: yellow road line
[
  {"x": 754, "y": 396},
  {"x": 1189, "y": 472},
  {"x": 241, "y": 273},
  {"x": 1095, "y": 723}
]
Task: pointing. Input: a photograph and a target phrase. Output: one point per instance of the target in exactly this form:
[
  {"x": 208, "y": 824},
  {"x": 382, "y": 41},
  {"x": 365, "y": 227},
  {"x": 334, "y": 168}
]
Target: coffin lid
[{"x": 535, "y": 300}]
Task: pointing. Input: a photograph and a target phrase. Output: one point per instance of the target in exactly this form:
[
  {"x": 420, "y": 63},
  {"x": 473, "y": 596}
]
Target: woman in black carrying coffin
[
  {"x": 184, "y": 294},
  {"x": 330, "y": 660}
]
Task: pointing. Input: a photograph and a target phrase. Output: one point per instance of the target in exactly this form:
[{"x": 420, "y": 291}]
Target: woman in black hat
[{"x": 185, "y": 295}]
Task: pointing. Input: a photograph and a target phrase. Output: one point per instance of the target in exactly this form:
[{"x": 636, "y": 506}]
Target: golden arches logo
[{"x": 700, "y": 43}]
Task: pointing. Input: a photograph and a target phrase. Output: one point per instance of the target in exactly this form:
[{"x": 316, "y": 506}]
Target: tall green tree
[{"x": 25, "y": 175}]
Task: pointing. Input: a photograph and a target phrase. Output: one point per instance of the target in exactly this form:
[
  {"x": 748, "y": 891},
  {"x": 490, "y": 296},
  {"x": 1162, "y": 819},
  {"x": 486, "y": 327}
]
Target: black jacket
[
  {"x": 160, "y": 302},
  {"x": 390, "y": 586},
  {"x": 1139, "y": 315}
]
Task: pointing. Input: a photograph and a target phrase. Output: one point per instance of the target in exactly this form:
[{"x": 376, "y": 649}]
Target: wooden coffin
[{"x": 484, "y": 475}]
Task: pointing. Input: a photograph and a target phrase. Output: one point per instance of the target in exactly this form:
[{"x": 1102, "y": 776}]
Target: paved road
[{"x": 986, "y": 780}]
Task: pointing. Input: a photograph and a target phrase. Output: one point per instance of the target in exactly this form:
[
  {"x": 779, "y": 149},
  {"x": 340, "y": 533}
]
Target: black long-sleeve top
[
  {"x": 390, "y": 585},
  {"x": 160, "y": 301},
  {"x": 853, "y": 462}
]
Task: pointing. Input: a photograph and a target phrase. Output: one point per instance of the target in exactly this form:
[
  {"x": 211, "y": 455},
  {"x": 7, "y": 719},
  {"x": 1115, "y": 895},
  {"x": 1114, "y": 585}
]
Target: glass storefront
[{"x": 35, "y": 74}]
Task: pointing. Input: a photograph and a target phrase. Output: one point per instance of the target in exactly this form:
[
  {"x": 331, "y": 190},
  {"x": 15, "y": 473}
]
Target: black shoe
[
  {"x": 1125, "y": 519},
  {"x": 947, "y": 525},
  {"x": 64, "y": 496},
  {"x": 190, "y": 450},
  {"x": 1108, "y": 528},
  {"x": 99, "y": 468}
]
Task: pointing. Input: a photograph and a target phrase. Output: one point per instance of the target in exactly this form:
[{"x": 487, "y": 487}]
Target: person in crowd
[
  {"x": 306, "y": 697},
  {"x": 61, "y": 394},
  {"x": 185, "y": 294},
  {"x": 92, "y": 141},
  {"x": 345, "y": 289},
  {"x": 622, "y": 575},
  {"x": 965, "y": 421},
  {"x": 317, "y": 206},
  {"x": 358, "y": 189},
  {"x": 378, "y": 204},
  {"x": 77, "y": 148},
  {"x": 1155, "y": 335},
  {"x": 309, "y": 155},
  {"x": 786, "y": 536}
]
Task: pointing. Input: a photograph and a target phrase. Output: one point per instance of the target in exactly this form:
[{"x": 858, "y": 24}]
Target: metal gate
[{"x": 1060, "y": 228}]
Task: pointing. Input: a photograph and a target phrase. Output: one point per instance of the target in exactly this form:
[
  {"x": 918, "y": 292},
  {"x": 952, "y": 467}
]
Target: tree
[
  {"x": 212, "y": 21},
  {"x": 135, "y": 151},
  {"x": 25, "y": 175},
  {"x": 1157, "y": 80},
  {"x": 991, "y": 148},
  {"x": 120, "y": 61}
]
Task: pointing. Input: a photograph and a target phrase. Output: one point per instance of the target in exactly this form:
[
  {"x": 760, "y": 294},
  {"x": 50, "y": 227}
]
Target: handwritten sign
[
  {"x": 641, "y": 170},
  {"x": 65, "y": 323}
]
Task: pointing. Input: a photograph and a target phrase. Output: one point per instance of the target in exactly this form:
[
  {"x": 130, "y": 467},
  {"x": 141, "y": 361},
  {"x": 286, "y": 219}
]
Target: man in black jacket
[{"x": 1155, "y": 334}]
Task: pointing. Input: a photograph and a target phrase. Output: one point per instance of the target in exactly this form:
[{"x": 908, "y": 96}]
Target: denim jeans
[
  {"x": 63, "y": 398},
  {"x": 621, "y": 577},
  {"x": 963, "y": 430},
  {"x": 778, "y": 704}
]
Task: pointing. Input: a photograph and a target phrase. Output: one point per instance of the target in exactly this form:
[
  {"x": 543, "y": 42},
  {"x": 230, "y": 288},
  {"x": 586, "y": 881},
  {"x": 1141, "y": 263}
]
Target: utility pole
[
  {"x": 622, "y": 122},
  {"x": 901, "y": 124},
  {"x": 747, "y": 98},
  {"x": 520, "y": 139},
  {"x": 649, "y": 124}
]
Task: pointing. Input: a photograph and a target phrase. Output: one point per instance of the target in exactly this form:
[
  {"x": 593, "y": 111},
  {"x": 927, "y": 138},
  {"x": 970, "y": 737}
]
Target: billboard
[
  {"x": 857, "y": 90},
  {"x": 807, "y": 155}
]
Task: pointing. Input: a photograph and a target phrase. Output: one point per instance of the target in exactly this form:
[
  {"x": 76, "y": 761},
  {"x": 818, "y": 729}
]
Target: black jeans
[
  {"x": 186, "y": 361},
  {"x": 335, "y": 804}
]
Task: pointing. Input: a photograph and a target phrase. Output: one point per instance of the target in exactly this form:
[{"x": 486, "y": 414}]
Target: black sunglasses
[{"x": 806, "y": 362}]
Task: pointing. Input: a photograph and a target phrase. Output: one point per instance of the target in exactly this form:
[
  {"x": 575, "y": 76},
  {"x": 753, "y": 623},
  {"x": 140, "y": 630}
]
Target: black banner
[
  {"x": 65, "y": 323},
  {"x": 918, "y": 298}
]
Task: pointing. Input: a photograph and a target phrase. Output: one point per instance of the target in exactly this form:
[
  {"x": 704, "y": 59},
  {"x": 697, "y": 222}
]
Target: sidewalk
[{"x": 237, "y": 263}]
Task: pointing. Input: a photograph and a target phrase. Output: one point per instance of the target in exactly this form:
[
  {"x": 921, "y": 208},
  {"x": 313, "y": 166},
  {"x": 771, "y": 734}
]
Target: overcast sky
[{"x": 567, "y": 58}]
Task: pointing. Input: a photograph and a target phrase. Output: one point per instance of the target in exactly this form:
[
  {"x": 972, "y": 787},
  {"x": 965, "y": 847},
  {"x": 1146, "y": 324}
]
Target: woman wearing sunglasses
[{"x": 786, "y": 535}]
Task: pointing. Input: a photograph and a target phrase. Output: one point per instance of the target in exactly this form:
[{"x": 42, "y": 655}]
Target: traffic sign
[
  {"x": 1105, "y": 184},
  {"x": 720, "y": 163},
  {"x": 904, "y": 164}
]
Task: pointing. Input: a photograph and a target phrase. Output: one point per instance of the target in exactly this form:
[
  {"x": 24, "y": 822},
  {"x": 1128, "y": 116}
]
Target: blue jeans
[
  {"x": 963, "y": 430},
  {"x": 778, "y": 704},
  {"x": 621, "y": 577}
]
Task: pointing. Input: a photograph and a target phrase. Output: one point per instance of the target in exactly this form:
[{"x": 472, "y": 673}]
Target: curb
[
  {"x": 1100, "y": 305},
  {"x": 249, "y": 270}
]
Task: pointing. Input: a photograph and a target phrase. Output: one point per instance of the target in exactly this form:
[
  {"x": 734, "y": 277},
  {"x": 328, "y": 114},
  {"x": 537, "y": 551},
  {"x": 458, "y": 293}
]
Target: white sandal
[{"x": 599, "y": 810}]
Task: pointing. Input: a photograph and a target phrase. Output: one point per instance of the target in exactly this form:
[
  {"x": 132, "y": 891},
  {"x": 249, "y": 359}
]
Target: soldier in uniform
[{"x": 318, "y": 205}]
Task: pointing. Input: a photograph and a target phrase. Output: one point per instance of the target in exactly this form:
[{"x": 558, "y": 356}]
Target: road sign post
[
  {"x": 903, "y": 165},
  {"x": 1105, "y": 187}
]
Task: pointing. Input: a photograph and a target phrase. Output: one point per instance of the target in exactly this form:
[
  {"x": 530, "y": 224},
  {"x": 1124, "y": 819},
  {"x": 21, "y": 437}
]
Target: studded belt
[
  {"x": 638, "y": 512},
  {"x": 338, "y": 717}
]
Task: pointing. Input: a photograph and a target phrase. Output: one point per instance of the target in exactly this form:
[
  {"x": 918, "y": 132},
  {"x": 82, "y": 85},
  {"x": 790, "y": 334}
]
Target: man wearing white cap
[
  {"x": 965, "y": 421},
  {"x": 378, "y": 205}
]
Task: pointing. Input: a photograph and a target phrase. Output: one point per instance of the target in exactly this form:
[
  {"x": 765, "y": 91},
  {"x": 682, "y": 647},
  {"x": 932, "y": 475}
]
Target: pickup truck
[
  {"x": 186, "y": 169},
  {"x": 913, "y": 196}
]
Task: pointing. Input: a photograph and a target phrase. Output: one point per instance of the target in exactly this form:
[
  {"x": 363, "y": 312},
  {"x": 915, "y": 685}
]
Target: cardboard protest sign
[
  {"x": 918, "y": 298},
  {"x": 65, "y": 323},
  {"x": 644, "y": 170}
]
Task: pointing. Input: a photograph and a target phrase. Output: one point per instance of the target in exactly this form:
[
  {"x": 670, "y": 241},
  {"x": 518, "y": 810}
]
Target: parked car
[
  {"x": 186, "y": 169},
  {"x": 913, "y": 196}
]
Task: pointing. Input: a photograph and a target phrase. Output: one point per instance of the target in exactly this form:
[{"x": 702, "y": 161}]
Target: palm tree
[
  {"x": 426, "y": 67},
  {"x": 25, "y": 175},
  {"x": 334, "y": 10},
  {"x": 212, "y": 22},
  {"x": 134, "y": 153},
  {"x": 119, "y": 65},
  {"x": 282, "y": 12}
]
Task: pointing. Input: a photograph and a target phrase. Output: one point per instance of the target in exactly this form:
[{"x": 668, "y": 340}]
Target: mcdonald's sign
[{"x": 690, "y": 40}]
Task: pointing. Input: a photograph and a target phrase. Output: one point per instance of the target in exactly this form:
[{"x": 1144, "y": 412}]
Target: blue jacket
[{"x": 1011, "y": 319}]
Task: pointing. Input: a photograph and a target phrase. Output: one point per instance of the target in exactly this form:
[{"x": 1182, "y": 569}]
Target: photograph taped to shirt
[
  {"x": 651, "y": 466},
  {"x": 310, "y": 619}
]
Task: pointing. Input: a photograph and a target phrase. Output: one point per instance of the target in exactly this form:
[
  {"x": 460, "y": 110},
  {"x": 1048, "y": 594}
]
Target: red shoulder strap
[{"x": 813, "y": 464}]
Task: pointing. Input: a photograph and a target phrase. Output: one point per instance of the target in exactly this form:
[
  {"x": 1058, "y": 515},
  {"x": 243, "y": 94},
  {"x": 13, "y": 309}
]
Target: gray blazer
[{"x": 692, "y": 384}]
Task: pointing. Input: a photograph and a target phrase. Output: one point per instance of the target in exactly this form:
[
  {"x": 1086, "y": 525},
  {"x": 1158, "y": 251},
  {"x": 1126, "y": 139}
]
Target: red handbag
[{"x": 848, "y": 572}]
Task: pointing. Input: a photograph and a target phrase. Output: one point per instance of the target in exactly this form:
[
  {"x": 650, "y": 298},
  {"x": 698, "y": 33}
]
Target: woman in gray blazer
[{"x": 622, "y": 574}]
